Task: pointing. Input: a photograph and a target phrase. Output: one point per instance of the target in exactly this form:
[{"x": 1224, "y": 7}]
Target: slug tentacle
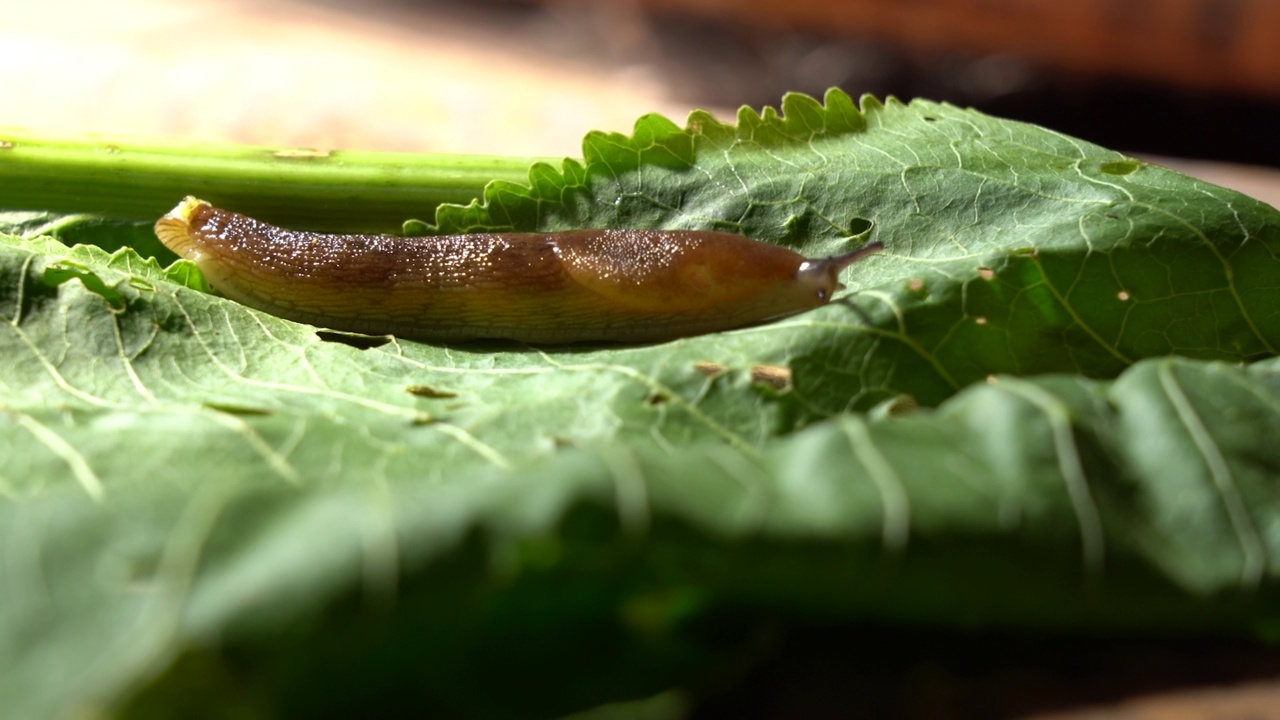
[
  {"x": 543, "y": 288},
  {"x": 824, "y": 275}
]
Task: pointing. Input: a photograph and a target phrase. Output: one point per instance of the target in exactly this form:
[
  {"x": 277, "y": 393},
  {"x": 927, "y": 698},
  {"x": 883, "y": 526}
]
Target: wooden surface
[
  {"x": 1206, "y": 44},
  {"x": 307, "y": 75}
]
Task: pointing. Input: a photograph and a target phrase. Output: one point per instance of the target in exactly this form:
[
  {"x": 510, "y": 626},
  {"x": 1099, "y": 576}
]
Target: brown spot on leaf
[
  {"x": 901, "y": 405},
  {"x": 428, "y": 391},
  {"x": 774, "y": 376},
  {"x": 710, "y": 369}
]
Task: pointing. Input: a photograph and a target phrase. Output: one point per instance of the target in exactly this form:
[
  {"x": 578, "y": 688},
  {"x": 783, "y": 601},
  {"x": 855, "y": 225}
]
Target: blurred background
[
  {"x": 1194, "y": 83},
  {"x": 1187, "y": 80}
]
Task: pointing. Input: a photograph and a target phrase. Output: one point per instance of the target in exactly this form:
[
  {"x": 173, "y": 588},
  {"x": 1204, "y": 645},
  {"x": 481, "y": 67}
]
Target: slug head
[{"x": 822, "y": 277}]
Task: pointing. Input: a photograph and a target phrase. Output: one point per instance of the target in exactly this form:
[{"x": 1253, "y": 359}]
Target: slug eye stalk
[{"x": 824, "y": 275}]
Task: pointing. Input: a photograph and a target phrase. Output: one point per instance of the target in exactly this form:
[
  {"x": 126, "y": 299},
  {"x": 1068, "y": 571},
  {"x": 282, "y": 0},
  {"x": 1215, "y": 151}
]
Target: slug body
[{"x": 577, "y": 286}]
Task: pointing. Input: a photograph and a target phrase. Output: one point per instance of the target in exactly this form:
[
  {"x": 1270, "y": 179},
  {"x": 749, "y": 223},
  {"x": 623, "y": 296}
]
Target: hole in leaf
[
  {"x": 986, "y": 273},
  {"x": 802, "y": 226},
  {"x": 242, "y": 410},
  {"x": 860, "y": 226},
  {"x": 6, "y": 144},
  {"x": 916, "y": 285},
  {"x": 1123, "y": 295},
  {"x": 980, "y": 320},
  {"x": 355, "y": 340},
  {"x": 657, "y": 398},
  {"x": 428, "y": 391},
  {"x": 1120, "y": 167}
]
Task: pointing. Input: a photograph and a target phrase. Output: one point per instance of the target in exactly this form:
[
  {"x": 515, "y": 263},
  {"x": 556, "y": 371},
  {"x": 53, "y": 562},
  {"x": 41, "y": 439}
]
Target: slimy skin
[{"x": 630, "y": 286}]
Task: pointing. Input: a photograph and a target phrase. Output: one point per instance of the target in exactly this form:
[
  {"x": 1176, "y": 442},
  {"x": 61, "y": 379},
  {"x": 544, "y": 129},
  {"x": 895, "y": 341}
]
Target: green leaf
[
  {"x": 205, "y": 504},
  {"x": 1055, "y": 503}
]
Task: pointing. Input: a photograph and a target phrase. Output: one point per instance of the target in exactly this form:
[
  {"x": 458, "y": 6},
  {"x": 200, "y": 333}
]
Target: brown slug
[{"x": 540, "y": 288}]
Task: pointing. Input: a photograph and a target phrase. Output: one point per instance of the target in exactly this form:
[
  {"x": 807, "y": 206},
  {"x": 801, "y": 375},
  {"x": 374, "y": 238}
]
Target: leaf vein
[{"x": 1254, "y": 554}]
